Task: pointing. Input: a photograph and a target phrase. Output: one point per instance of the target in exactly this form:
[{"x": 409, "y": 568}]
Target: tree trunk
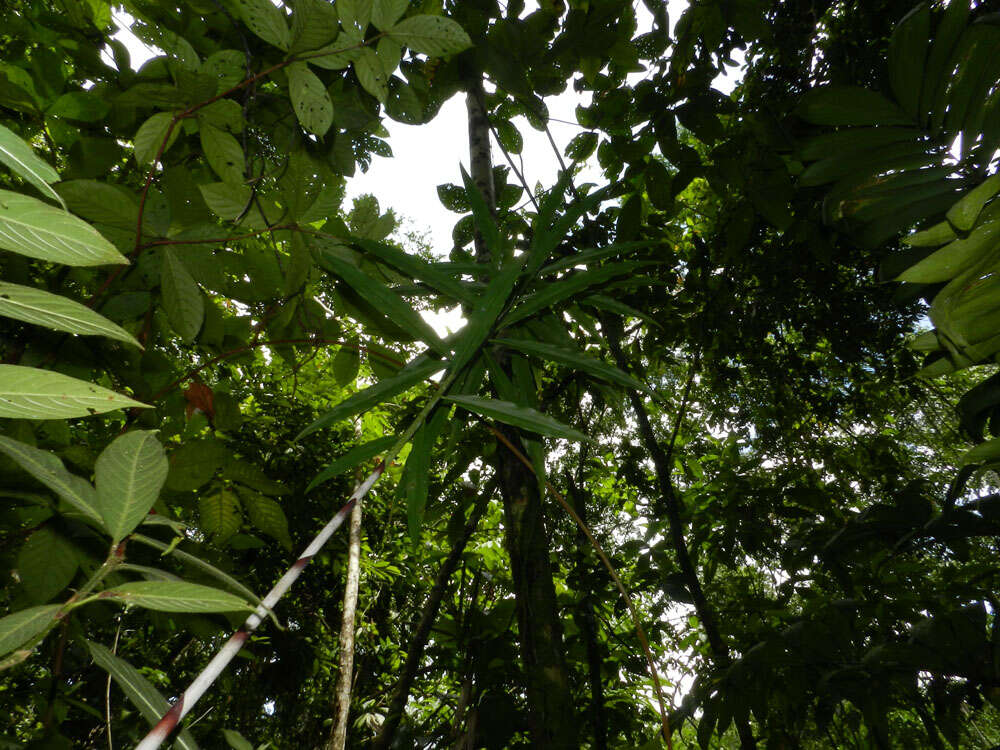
[
  {"x": 584, "y": 617},
  {"x": 415, "y": 653},
  {"x": 342, "y": 695},
  {"x": 671, "y": 504},
  {"x": 551, "y": 718}
]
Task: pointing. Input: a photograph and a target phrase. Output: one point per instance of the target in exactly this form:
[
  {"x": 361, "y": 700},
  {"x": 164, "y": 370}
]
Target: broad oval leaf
[
  {"x": 47, "y": 564},
  {"x": 518, "y": 416},
  {"x": 38, "y": 230},
  {"x": 49, "y": 470},
  {"x": 155, "y": 133},
  {"x": 19, "y": 156},
  {"x": 129, "y": 475},
  {"x": 30, "y": 393},
  {"x": 224, "y": 153},
  {"x": 435, "y": 36},
  {"x": 310, "y": 100},
  {"x": 169, "y": 596},
  {"x": 385, "y": 13},
  {"x": 267, "y": 516},
  {"x": 266, "y": 21},
  {"x": 57, "y": 312},
  {"x": 371, "y": 74},
  {"x": 20, "y": 627},
  {"x": 138, "y": 690},
  {"x": 220, "y": 514}
]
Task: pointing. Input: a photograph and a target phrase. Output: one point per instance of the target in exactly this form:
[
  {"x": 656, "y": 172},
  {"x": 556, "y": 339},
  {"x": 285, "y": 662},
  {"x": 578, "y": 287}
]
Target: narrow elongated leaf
[
  {"x": 938, "y": 234},
  {"x": 988, "y": 451},
  {"x": 137, "y": 689},
  {"x": 416, "y": 371},
  {"x": 557, "y": 291},
  {"x": 954, "y": 257},
  {"x": 963, "y": 214},
  {"x": 167, "y": 596},
  {"x": 907, "y": 52},
  {"x": 435, "y": 36},
  {"x": 182, "y": 298},
  {"x": 53, "y": 311},
  {"x": 484, "y": 317},
  {"x": 49, "y": 470},
  {"x": 310, "y": 100},
  {"x": 417, "y": 268},
  {"x": 484, "y": 220},
  {"x": 518, "y": 416},
  {"x": 129, "y": 475},
  {"x": 357, "y": 455},
  {"x": 38, "y": 230},
  {"x": 20, "y": 627},
  {"x": 602, "y": 302},
  {"x": 383, "y": 299},
  {"x": 30, "y": 393},
  {"x": 236, "y": 741},
  {"x": 415, "y": 481},
  {"x": 18, "y": 155},
  {"x": 850, "y": 105},
  {"x": 576, "y": 360}
]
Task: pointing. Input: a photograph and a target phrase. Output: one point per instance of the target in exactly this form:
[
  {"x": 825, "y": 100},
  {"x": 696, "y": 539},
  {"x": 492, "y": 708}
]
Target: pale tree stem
[{"x": 342, "y": 695}]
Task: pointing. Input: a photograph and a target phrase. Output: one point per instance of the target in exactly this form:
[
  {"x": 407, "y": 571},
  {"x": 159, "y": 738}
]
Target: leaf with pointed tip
[
  {"x": 168, "y": 596},
  {"x": 416, "y": 268},
  {"x": 357, "y": 455},
  {"x": 385, "y": 13},
  {"x": 557, "y": 291},
  {"x": 486, "y": 223},
  {"x": 964, "y": 213},
  {"x": 266, "y": 20},
  {"x": 415, "y": 372},
  {"x": 30, "y": 393},
  {"x": 575, "y": 360},
  {"x": 47, "y": 564},
  {"x": 484, "y": 317},
  {"x": 137, "y": 689},
  {"x": 129, "y": 474},
  {"x": 383, "y": 299},
  {"x": 220, "y": 514},
  {"x": 267, "y": 516},
  {"x": 152, "y": 135},
  {"x": 415, "y": 481},
  {"x": 371, "y": 74},
  {"x": 434, "y": 36},
  {"x": 38, "y": 230},
  {"x": 224, "y": 153},
  {"x": 182, "y": 298},
  {"x": 56, "y": 312},
  {"x": 310, "y": 100},
  {"x": 18, "y": 155},
  {"x": 19, "y": 628},
  {"x": 517, "y": 416},
  {"x": 49, "y": 470}
]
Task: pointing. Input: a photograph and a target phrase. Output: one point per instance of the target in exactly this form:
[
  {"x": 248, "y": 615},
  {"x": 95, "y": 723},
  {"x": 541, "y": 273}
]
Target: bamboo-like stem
[{"x": 183, "y": 705}]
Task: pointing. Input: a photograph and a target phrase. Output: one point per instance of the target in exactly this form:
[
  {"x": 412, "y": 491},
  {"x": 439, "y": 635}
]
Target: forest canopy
[{"x": 709, "y": 463}]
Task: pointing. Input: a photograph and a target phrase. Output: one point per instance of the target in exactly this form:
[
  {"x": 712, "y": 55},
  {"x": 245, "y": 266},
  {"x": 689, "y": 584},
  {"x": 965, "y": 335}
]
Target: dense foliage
[{"x": 710, "y": 464}]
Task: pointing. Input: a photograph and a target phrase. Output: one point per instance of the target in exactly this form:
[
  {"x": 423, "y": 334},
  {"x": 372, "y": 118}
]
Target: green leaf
[
  {"x": 19, "y": 628},
  {"x": 383, "y": 299},
  {"x": 964, "y": 213},
  {"x": 182, "y": 298},
  {"x": 53, "y": 311},
  {"x": 19, "y": 157},
  {"x": 357, "y": 455},
  {"x": 49, "y": 470},
  {"x": 265, "y": 20},
  {"x": 434, "y": 36},
  {"x": 939, "y": 234},
  {"x": 907, "y": 53},
  {"x": 267, "y": 516},
  {"x": 416, "y": 268},
  {"x": 988, "y": 451},
  {"x": 80, "y": 105},
  {"x": 852, "y": 140},
  {"x": 30, "y": 393},
  {"x": 46, "y": 564},
  {"x": 518, "y": 416},
  {"x": 220, "y": 515},
  {"x": 371, "y": 74},
  {"x": 101, "y": 202},
  {"x": 415, "y": 481},
  {"x": 347, "y": 363},
  {"x": 581, "y": 146},
  {"x": 355, "y": 16},
  {"x": 253, "y": 476},
  {"x": 415, "y": 372},
  {"x": 227, "y": 67},
  {"x": 850, "y": 105},
  {"x": 38, "y": 230},
  {"x": 955, "y": 257},
  {"x": 129, "y": 474},
  {"x": 227, "y": 201},
  {"x": 167, "y": 596},
  {"x": 385, "y": 13},
  {"x": 151, "y": 136},
  {"x": 314, "y": 25},
  {"x": 557, "y": 291},
  {"x": 224, "y": 153},
  {"x": 576, "y": 360},
  {"x": 310, "y": 100},
  {"x": 485, "y": 222},
  {"x": 484, "y": 317},
  {"x": 236, "y": 741},
  {"x": 138, "y": 690},
  {"x": 194, "y": 463}
]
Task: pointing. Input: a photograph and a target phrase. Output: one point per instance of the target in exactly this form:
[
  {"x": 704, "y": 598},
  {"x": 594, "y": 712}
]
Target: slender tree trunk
[
  {"x": 671, "y": 504},
  {"x": 418, "y": 642},
  {"x": 584, "y": 617},
  {"x": 551, "y": 715},
  {"x": 342, "y": 696}
]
